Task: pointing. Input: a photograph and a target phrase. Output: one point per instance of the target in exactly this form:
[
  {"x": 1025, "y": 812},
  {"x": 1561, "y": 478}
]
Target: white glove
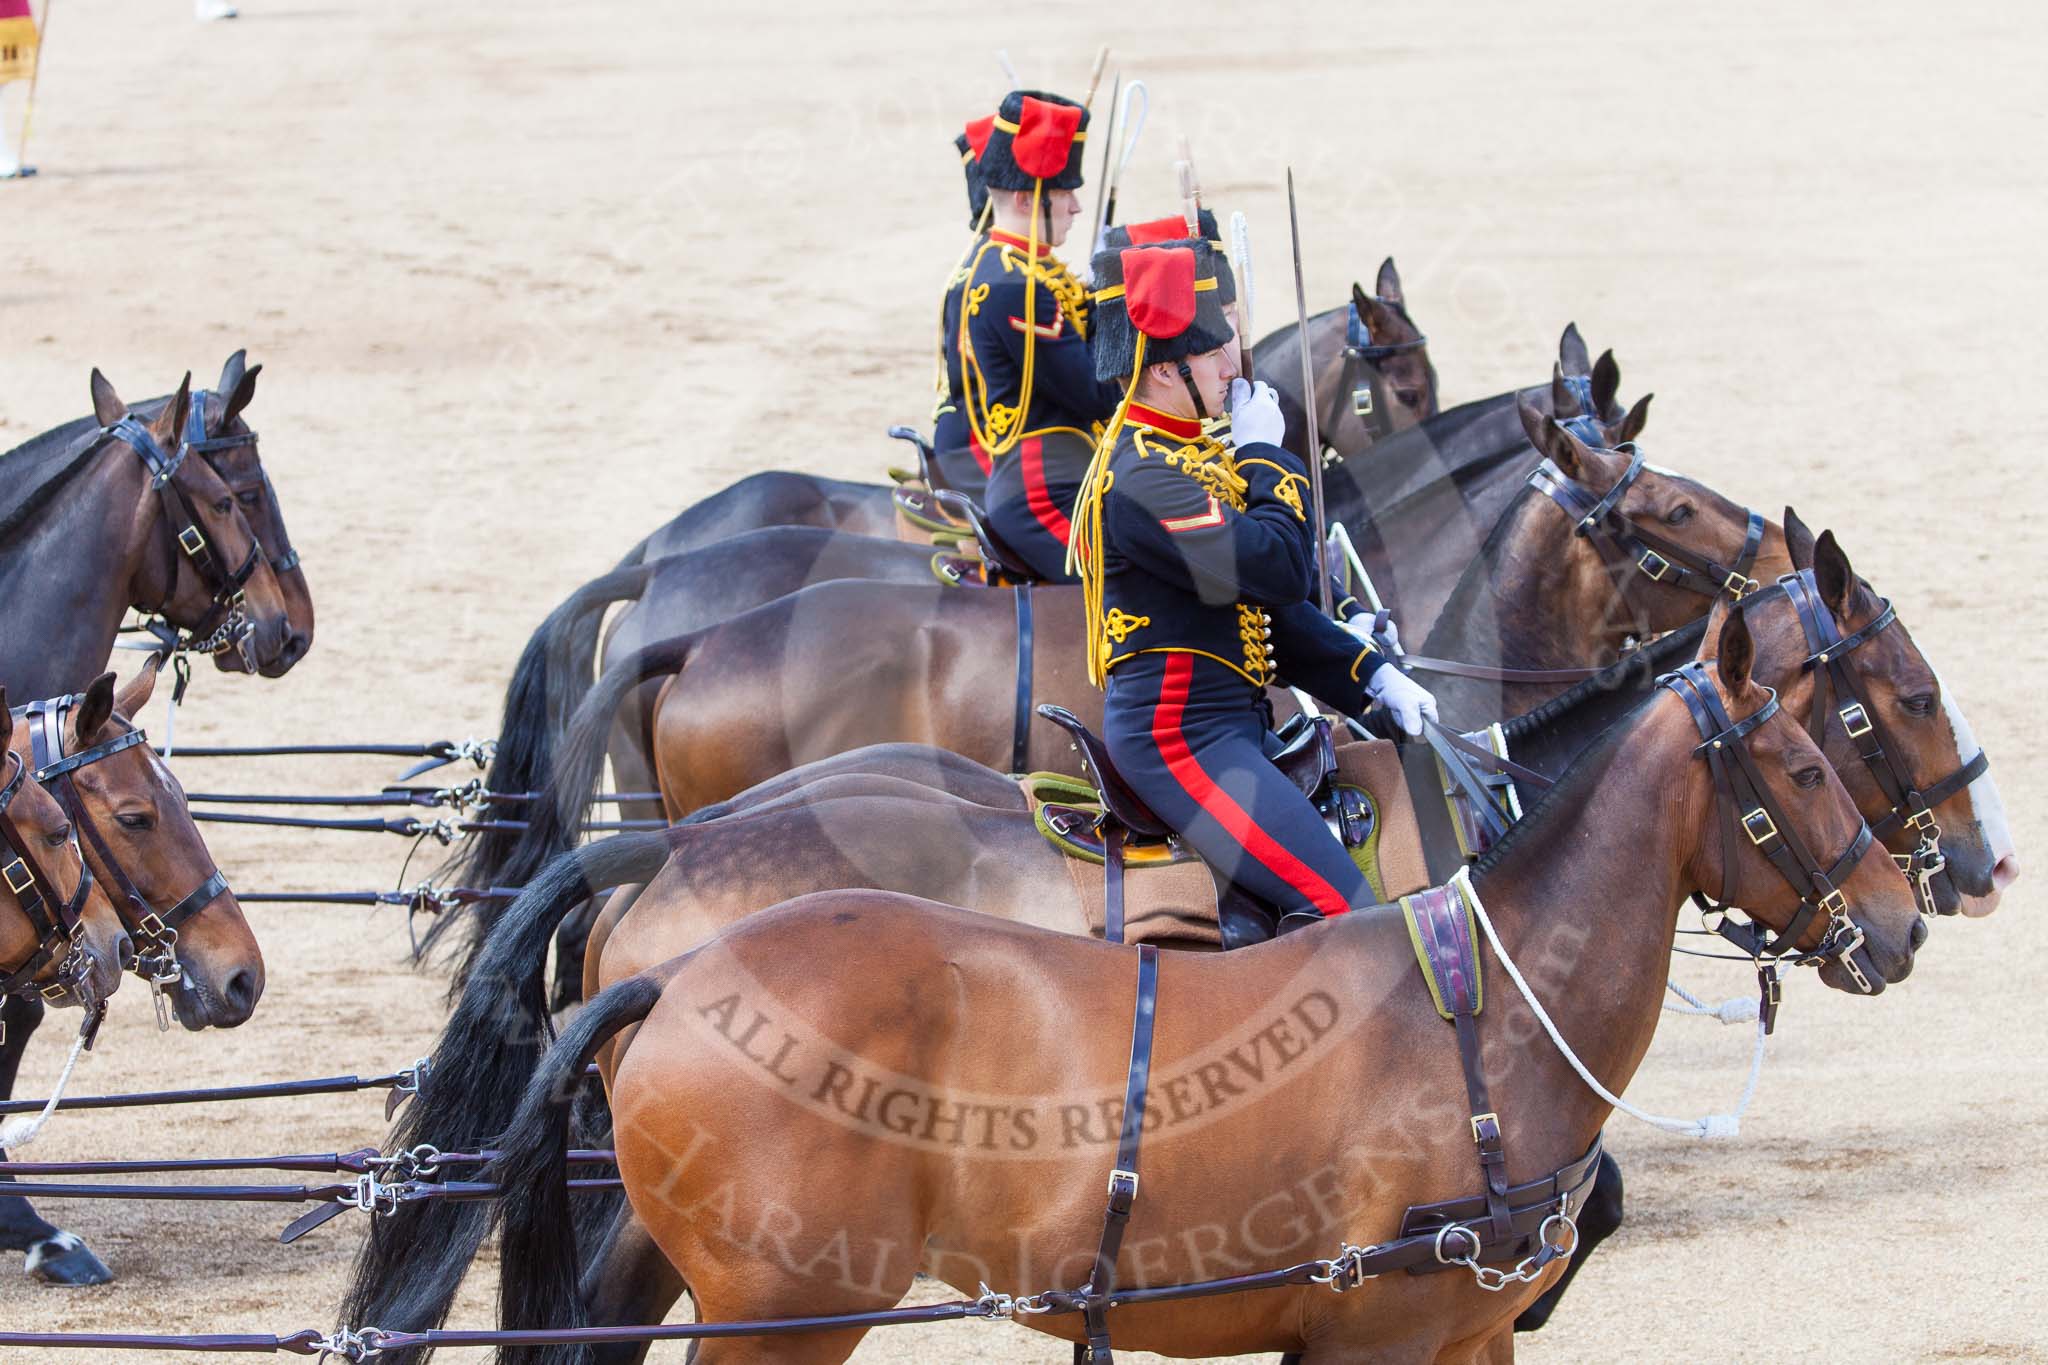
[
  {"x": 1360, "y": 626},
  {"x": 1255, "y": 415},
  {"x": 1408, "y": 699}
]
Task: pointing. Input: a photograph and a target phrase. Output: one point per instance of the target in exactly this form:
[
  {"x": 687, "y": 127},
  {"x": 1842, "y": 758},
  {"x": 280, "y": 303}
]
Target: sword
[
  {"x": 1130, "y": 143},
  {"x": 1095, "y": 76},
  {"x": 1241, "y": 256},
  {"x": 1308, "y": 397},
  {"x": 1190, "y": 205},
  {"x": 1194, "y": 185},
  {"x": 1009, "y": 71},
  {"x": 1116, "y": 83}
]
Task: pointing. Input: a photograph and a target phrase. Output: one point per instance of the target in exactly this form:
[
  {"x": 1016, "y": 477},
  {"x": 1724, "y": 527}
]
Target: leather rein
[
  {"x": 226, "y": 624},
  {"x": 57, "y": 919},
  {"x": 1839, "y": 693},
  {"x": 1745, "y": 801},
  {"x": 153, "y": 931}
]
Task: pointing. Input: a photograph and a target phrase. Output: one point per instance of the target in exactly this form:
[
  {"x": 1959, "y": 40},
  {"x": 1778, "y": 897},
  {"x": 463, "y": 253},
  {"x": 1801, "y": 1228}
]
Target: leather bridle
[
  {"x": 153, "y": 931},
  {"x": 1621, "y": 540},
  {"x": 225, "y": 624},
  {"x": 1359, "y": 347},
  {"x": 1745, "y": 803},
  {"x": 1839, "y": 693},
  {"x": 198, "y": 442},
  {"x": 59, "y": 921}
]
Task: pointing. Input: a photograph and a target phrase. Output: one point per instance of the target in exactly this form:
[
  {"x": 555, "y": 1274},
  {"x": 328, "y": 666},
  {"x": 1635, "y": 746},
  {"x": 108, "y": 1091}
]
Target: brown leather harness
[
  {"x": 57, "y": 919},
  {"x": 153, "y": 931},
  {"x": 199, "y": 441}
]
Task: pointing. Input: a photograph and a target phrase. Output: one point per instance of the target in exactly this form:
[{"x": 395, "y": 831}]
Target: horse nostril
[
  {"x": 2006, "y": 873},
  {"x": 1919, "y": 934},
  {"x": 240, "y": 992}
]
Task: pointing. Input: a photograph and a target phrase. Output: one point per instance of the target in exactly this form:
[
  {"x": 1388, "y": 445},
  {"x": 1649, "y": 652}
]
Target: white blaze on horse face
[{"x": 1985, "y": 807}]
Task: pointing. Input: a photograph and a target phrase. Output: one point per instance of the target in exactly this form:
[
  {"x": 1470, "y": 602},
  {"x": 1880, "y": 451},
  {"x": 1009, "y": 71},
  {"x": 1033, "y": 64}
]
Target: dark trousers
[
  {"x": 1031, "y": 496},
  {"x": 1191, "y": 738}
]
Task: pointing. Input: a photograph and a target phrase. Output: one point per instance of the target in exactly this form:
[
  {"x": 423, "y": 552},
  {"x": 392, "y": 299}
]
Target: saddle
[
  {"x": 995, "y": 565},
  {"x": 1176, "y": 898},
  {"x": 920, "y": 518}
]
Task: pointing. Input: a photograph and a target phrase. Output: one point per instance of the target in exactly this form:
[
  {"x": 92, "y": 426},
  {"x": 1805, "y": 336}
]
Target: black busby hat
[
  {"x": 970, "y": 144},
  {"x": 1156, "y": 230},
  {"x": 1036, "y": 136},
  {"x": 1171, "y": 293}
]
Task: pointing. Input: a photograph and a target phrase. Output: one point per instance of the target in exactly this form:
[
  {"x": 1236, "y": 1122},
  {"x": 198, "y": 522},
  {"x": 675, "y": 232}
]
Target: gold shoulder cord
[
  {"x": 995, "y": 425},
  {"x": 962, "y": 268},
  {"x": 1084, "y": 535}
]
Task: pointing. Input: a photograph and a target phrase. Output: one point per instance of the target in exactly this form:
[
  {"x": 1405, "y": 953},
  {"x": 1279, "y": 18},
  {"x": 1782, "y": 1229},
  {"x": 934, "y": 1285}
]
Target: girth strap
[
  {"x": 1020, "y": 725},
  {"x": 1113, "y": 835},
  {"x": 1442, "y": 931},
  {"x": 1094, "y": 1299}
]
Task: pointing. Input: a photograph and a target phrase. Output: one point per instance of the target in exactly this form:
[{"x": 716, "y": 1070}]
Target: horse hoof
[{"x": 64, "y": 1260}]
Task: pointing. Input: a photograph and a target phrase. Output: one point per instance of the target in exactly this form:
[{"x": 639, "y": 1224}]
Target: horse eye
[
  {"x": 251, "y": 499},
  {"x": 136, "y": 822},
  {"x": 1679, "y": 515},
  {"x": 224, "y": 506},
  {"x": 1809, "y": 778},
  {"x": 1922, "y": 706},
  {"x": 57, "y": 838}
]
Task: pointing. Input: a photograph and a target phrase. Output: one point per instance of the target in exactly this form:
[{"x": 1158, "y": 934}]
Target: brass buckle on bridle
[
  {"x": 192, "y": 541},
  {"x": 1656, "y": 575},
  {"x": 1759, "y": 826},
  {"x": 1855, "y": 720},
  {"x": 28, "y": 878},
  {"x": 1738, "y": 585}
]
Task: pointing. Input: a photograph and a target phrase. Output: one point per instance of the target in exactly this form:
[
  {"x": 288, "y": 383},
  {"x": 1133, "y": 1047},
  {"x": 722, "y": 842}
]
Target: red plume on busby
[
  {"x": 1157, "y": 230},
  {"x": 1172, "y": 293},
  {"x": 1036, "y": 137},
  {"x": 970, "y": 144}
]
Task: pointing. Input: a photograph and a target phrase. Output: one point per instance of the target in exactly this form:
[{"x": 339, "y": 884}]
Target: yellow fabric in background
[{"x": 17, "y": 49}]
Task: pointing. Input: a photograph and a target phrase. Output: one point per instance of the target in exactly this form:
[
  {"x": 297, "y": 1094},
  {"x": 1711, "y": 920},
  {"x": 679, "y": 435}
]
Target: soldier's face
[{"x": 1062, "y": 207}]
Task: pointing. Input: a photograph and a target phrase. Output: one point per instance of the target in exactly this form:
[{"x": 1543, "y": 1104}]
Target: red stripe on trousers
[
  {"x": 980, "y": 456},
  {"x": 1186, "y": 770},
  {"x": 1032, "y": 452}
]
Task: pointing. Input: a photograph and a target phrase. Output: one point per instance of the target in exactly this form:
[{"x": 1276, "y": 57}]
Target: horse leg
[
  {"x": 54, "y": 1256},
  {"x": 629, "y": 1281}
]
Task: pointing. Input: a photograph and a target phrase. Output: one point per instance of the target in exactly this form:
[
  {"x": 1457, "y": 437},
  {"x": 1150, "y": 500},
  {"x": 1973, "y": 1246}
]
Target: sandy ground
[{"x": 527, "y": 279}]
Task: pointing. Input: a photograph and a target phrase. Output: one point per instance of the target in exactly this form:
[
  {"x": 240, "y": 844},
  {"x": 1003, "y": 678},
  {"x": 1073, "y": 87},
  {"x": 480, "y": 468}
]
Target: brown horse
[
  {"x": 779, "y": 1182},
  {"x": 130, "y": 817},
  {"x": 977, "y": 847},
  {"x": 118, "y": 511}
]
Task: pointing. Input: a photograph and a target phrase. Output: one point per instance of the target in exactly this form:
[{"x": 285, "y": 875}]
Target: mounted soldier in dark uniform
[
  {"x": 1018, "y": 356},
  {"x": 1197, "y": 553}
]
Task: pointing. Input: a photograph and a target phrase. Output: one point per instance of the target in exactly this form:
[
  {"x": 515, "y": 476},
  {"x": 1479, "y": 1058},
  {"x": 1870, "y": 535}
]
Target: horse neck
[
  {"x": 1585, "y": 896},
  {"x": 68, "y": 579},
  {"x": 1532, "y": 599}
]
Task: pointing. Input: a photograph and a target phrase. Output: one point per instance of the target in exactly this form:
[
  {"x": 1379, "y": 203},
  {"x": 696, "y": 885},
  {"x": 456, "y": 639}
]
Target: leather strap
[
  {"x": 1113, "y": 836},
  {"x": 1020, "y": 724},
  {"x": 1094, "y": 1300}
]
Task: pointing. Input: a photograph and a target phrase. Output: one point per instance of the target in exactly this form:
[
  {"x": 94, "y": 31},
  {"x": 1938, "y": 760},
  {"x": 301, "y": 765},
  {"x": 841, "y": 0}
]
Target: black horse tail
[
  {"x": 554, "y": 817},
  {"x": 539, "y": 1264},
  {"x": 492, "y": 1045},
  {"x": 551, "y": 677}
]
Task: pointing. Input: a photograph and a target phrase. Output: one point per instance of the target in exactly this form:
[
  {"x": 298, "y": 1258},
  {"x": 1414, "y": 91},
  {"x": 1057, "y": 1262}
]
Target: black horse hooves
[{"x": 64, "y": 1260}]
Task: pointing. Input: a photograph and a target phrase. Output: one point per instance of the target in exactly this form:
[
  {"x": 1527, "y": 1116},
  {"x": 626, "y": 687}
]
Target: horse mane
[
  {"x": 1460, "y": 607},
  {"x": 36, "y": 471},
  {"x": 1660, "y": 656}
]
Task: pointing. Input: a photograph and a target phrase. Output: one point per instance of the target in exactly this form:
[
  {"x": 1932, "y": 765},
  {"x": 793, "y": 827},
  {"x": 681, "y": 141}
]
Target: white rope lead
[
  {"x": 22, "y": 1131},
  {"x": 1712, "y": 1126}
]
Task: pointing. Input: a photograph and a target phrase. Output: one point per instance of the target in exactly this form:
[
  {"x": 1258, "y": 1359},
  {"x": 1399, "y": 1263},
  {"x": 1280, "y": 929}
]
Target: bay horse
[
  {"x": 186, "y": 933},
  {"x": 976, "y": 846},
  {"x": 778, "y": 1182},
  {"x": 120, "y": 514},
  {"x": 1454, "y": 457}
]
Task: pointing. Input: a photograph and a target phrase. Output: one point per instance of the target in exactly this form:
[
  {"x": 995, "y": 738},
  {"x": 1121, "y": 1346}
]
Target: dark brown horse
[
  {"x": 118, "y": 512},
  {"x": 1010, "y": 1036},
  {"x": 130, "y": 816}
]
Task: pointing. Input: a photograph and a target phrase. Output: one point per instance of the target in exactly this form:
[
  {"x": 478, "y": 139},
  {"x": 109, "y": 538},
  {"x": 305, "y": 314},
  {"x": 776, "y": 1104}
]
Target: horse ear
[
  {"x": 241, "y": 394},
  {"x": 1606, "y": 383},
  {"x": 1572, "y": 352},
  {"x": 95, "y": 708},
  {"x": 169, "y": 425},
  {"x": 231, "y": 373},
  {"x": 1798, "y": 540},
  {"x": 1389, "y": 285},
  {"x": 1735, "y": 654},
  {"x": 1834, "y": 577},
  {"x": 1361, "y": 304},
  {"x": 1535, "y": 425},
  {"x": 1563, "y": 401},
  {"x": 1571, "y": 455},
  {"x": 107, "y": 407},
  {"x": 1638, "y": 418},
  {"x": 131, "y": 700}
]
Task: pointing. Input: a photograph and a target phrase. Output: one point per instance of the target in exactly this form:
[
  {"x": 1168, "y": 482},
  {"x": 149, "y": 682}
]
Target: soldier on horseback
[
  {"x": 1018, "y": 368},
  {"x": 1197, "y": 555}
]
